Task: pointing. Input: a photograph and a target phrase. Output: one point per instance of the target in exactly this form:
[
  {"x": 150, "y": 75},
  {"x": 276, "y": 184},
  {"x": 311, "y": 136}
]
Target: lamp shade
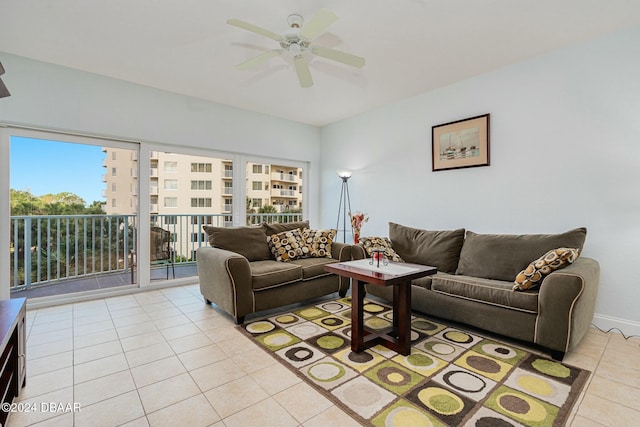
[{"x": 344, "y": 175}]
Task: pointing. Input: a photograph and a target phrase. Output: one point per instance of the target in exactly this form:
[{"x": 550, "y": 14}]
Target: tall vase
[{"x": 356, "y": 237}]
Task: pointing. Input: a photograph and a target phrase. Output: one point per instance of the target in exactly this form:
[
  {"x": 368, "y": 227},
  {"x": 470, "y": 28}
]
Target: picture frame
[{"x": 460, "y": 144}]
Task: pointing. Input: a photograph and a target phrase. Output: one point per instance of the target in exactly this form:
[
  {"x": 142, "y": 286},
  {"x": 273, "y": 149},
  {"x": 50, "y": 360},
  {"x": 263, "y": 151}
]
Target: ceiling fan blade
[
  {"x": 336, "y": 55},
  {"x": 317, "y": 24},
  {"x": 4, "y": 92},
  {"x": 258, "y": 59},
  {"x": 302, "y": 69},
  {"x": 254, "y": 29}
]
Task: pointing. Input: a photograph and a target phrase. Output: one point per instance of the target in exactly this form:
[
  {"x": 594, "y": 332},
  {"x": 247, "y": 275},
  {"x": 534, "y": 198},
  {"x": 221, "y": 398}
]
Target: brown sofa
[
  {"x": 475, "y": 279},
  {"x": 240, "y": 274}
]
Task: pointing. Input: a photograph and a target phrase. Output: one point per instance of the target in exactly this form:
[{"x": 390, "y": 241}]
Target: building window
[
  {"x": 201, "y": 185},
  {"x": 198, "y": 237},
  {"x": 202, "y": 219},
  {"x": 266, "y": 169},
  {"x": 170, "y": 166},
  {"x": 170, "y": 202},
  {"x": 256, "y": 203},
  {"x": 113, "y": 171},
  {"x": 257, "y": 168},
  {"x": 256, "y": 185},
  {"x": 113, "y": 155},
  {"x": 113, "y": 187},
  {"x": 113, "y": 203},
  {"x": 200, "y": 167},
  {"x": 200, "y": 202},
  {"x": 228, "y": 188},
  {"x": 170, "y": 184}
]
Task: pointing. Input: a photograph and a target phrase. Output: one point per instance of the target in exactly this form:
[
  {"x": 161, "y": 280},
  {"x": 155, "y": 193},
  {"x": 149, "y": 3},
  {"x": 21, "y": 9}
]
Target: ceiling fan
[{"x": 297, "y": 43}]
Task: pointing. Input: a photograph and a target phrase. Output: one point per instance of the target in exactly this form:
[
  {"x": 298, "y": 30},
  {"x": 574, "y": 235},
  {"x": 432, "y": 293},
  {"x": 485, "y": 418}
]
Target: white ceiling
[{"x": 411, "y": 46}]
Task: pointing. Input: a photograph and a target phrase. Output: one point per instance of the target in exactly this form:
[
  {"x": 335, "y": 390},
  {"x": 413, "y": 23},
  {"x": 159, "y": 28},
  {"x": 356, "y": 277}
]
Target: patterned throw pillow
[
  {"x": 286, "y": 245},
  {"x": 317, "y": 243},
  {"x": 536, "y": 271},
  {"x": 383, "y": 243}
]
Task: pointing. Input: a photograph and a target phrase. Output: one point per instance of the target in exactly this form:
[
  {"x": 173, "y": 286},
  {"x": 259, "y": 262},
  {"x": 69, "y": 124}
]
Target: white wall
[
  {"x": 51, "y": 96},
  {"x": 565, "y": 152}
]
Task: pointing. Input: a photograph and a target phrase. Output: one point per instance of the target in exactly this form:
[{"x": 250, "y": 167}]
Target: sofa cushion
[
  {"x": 494, "y": 292},
  {"x": 503, "y": 256},
  {"x": 439, "y": 249},
  {"x": 382, "y": 243},
  {"x": 286, "y": 245},
  {"x": 275, "y": 227},
  {"x": 313, "y": 267},
  {"x": 536, "y": 271},
  {"x": 317, "y": 243},
  {"x": 269, "y": 274},
  {"x": 424, "y": 282},
  {"x": 250, "y": 242}
]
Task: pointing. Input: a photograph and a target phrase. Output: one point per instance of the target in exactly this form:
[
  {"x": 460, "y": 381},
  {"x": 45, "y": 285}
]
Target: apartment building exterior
[{"x": 189, "y": 191}]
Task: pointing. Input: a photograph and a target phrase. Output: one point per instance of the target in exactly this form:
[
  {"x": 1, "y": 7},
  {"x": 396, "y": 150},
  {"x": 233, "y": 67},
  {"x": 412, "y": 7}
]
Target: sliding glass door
[{"x": 72, "y": 224}]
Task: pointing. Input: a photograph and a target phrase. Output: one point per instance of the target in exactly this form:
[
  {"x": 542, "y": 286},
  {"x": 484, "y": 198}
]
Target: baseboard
[{"x": 627, "y": 327}]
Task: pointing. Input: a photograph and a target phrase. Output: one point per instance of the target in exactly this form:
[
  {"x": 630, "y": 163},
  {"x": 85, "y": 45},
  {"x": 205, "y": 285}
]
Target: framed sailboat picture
[{"x": 460, "y": 144}]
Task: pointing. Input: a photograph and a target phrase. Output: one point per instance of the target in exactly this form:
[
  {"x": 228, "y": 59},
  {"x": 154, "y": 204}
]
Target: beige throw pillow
[
  {"x": 287, "y": 245},
  {"x": 382, "y": 243},
  {"x": 317, "y": 243},
  {"x": 553, "y": 260}
]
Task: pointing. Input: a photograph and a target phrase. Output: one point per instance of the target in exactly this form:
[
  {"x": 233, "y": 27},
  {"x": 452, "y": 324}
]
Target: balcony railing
[
  {"x": 281, "y": 192},
  {"x": 289, "y": 177},
  {"x": 50, "y": 249}
]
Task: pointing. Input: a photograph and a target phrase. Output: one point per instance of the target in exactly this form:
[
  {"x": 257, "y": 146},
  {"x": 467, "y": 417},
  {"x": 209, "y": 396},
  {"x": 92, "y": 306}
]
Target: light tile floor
[{"x": 164, "y": 358}]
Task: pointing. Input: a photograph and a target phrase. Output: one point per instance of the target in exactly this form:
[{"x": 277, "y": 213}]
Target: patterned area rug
[{"x": 451, "y": 378}]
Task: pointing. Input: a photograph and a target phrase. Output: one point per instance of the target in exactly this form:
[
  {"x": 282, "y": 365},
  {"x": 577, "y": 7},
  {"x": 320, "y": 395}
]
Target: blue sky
[{"x": 43, "y": 167}]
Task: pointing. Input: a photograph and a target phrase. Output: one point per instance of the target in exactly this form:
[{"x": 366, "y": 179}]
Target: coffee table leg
[
  {"x": 396, "y": 302},
  {"x": 402, "y": 317},
  {"x": 357, "y": 318}
]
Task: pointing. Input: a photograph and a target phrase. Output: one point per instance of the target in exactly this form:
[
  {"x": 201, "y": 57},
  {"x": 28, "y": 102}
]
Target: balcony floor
[{"x": 100, "y": 281}]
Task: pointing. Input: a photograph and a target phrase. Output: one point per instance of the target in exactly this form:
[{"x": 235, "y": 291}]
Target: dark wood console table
[
  {"x": 14, "y": 359},
  {"x": 398, "y": 275}
]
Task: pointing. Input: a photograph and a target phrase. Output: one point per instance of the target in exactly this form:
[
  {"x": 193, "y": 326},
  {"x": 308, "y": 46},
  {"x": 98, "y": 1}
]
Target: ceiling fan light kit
[
  {"x": 295, "y": 21},
  {"x": 298, "y": 43}
]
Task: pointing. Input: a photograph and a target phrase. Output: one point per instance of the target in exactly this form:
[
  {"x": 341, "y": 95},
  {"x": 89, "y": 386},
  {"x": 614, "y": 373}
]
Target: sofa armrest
[
  {"x": 358, "y": 252},
  {"x": 566, "y": 304},
  {"x": 341, "y": 251},
  {"x": 225, "y": 280}
]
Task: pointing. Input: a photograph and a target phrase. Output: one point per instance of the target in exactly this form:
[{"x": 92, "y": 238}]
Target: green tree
[
  {"x": 65, "y": 203},
  {"x": 248, "y": 206},
  {"x": 268, "y": 209},
  {"x": 25, "y": 203}
]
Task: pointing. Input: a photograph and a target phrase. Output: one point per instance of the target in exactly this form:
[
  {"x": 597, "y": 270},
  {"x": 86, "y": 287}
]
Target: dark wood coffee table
[{"x": 398, "y": 275}]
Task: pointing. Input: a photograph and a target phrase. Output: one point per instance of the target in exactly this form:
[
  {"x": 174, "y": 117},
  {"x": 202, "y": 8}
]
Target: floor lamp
[{"x": 345, "y": 202}]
